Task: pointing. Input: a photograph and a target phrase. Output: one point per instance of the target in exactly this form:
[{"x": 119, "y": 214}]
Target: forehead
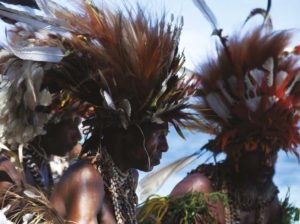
[{"x": 259, "y": 153}]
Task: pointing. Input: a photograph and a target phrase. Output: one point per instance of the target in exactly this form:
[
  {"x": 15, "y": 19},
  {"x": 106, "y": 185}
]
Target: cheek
[
  {"x": 152, "y": 145},
  {"x": 135, "y": 152},
  {"x": 250, "y": 165}
]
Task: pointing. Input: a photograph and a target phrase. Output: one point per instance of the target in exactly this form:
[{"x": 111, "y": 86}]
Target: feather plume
[
  {"x": 46, "y": 7},
  {"x": 21, "y": 206},
  {"x": 293, "y": 83},
  {"x": 218, "y": 106},
  {"x": 49, "y": 54},
  {"x": 243, "y": 94},
  {"x": 265, "y": 13},
  {"x": 208, "y": 14},
  {"x": 152, "y": 182},
  {"x": 35, "y": 21},
  {"x": 269, "y": 66},
  {"x": 124, "y": 63}
]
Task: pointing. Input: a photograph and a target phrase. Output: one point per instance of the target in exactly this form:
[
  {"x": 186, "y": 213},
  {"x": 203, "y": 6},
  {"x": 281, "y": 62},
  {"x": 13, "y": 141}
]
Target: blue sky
[{"x": 197, "y": 43}]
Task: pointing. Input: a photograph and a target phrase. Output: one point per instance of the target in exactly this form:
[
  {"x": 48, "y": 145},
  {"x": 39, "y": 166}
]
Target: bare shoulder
[
  {"x": 80, "y": 182},
  {"x": 195, "y": 182},
  {"x": 82, "y": 171},
  {"x": 79, "y": 176}
]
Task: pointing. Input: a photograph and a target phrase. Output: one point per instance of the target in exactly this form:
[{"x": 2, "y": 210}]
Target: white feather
[
  {"x": 280, "y": 77},
  {"x": 108, "y": 99},
  {"x": 43, "y": 54},
  {"x": 272, "y": 100},
  {"x": 269, "y": 66},
  {"x": 152, "y": 182},
  {"x": 257, "y": 75},
  {"x": 225, "y": 93},
  {"x": 3, "y": 218},
  {"x": 2, "y": 146},
  {"x": 30, "y": 194},
  {"x": 252, "y": 103},
  {"x": 45, "y": 98},
  {"x": 28, "y": 217},
  {"x": 216, "y": 103},
  {"x": 249, "y": 86},
  {"x": 44, "y": 6},
  {"x": 35, "y": 21},
  {"x": 20, "y": 153},
  {"x": 291, "y": 86}
]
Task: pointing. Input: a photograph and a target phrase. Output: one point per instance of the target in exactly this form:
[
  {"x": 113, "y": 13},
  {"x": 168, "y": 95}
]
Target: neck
[
  {"x": 242, "y": 180},
  {"x": 116, "y": 149},
  {"x": 38, "y": 144},
  {"x": 120, "y": 162}
]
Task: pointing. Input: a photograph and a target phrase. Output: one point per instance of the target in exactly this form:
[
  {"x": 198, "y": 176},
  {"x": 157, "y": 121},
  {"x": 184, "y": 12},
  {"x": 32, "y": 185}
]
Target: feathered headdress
[
  {"x": 32, "y": 92},
  {"x": 125, "y": 64},
  {"x": 28, "y": 104},
  {"x": 250, "y": 94},
  {"x": 139, "y": 80}
]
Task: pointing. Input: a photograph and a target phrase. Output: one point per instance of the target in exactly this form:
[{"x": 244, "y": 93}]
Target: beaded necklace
[
  {"x": 30, "y": 158},
  {"x": 238, "y": 199},
  {"x": 121, "y": 187}
]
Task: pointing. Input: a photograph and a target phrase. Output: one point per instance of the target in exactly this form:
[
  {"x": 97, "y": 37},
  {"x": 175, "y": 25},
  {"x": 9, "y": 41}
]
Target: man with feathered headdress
[
  {"x": 139, "y": 93},
  {"x": 125, "y": 65},
  {"x": 37, "y": 119},
  {"x": 39, "y": 116},
  {"x": 250, "y": 101}
]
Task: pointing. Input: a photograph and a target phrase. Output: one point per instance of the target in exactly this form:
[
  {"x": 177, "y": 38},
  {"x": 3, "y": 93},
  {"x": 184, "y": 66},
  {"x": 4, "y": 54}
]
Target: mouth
[
  {"x": 265, "y": 176},
  {"x": 155, "y": 160}
]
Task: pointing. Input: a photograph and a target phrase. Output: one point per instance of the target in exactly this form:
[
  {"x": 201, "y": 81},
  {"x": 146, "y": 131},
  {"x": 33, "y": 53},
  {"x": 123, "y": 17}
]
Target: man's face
[
  {"x": 258, "y": 166},
  {"x": 145, "y": 156},
  {"x": 61, "y": 137}
]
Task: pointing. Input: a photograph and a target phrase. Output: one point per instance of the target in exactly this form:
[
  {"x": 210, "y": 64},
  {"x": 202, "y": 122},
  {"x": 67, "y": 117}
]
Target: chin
[
  {"x": 146, "y": 168},
  {"x": 61, "y": 154},
  {"x": 264, "y": 180}
]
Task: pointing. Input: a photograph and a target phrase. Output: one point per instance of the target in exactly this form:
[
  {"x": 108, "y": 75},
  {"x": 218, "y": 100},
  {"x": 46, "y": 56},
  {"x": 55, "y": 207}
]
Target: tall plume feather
[
  {"x": 152, "y": 182},
  {"x": 126, "y": 57},
  {"x": 208, "y": 14}
]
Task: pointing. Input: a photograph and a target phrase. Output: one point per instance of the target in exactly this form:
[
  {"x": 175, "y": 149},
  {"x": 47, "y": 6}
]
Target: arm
[
  {"x": 195, "y": 182},
  {"x": 8, "y": 173},
  {"x": 78, "y": 197},
  {"x": 198, "y": 182}
]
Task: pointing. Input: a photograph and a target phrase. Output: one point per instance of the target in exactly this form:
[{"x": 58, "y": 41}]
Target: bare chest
[{"x": 267, "y": 215}]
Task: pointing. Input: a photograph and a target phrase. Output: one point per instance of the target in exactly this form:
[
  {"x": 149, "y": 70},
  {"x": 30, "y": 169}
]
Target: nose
[
  {"x": 270, "y": 160},
  {"x": 163, "y": 144}
]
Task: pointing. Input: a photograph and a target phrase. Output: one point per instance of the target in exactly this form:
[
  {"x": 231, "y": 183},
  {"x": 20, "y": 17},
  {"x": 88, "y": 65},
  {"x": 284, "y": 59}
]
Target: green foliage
[
  {"x": 187, "y": 209},
  {"x": 290, "y": 213}
]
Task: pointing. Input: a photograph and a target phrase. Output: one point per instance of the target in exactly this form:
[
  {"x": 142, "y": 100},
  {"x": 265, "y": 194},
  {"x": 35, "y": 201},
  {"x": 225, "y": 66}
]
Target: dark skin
[
  {"x": 255, "y": 169},
  {"x": 8, "y": 173},
  {"x": 80, "y": 197},
  {"x": 61, "y": 137},
  {"x": 59, "y": 140}
]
